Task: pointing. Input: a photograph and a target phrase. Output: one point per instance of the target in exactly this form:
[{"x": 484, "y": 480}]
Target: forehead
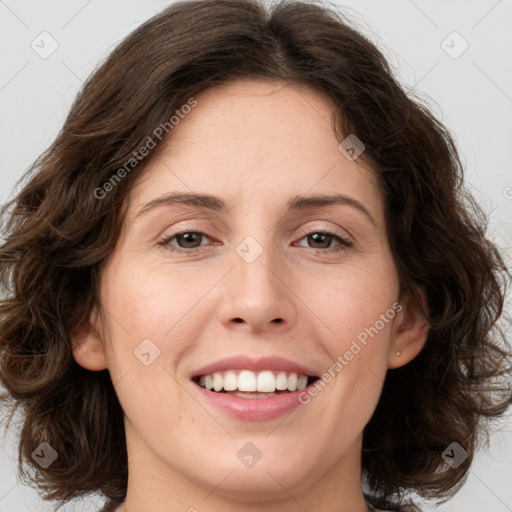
[{"x": 252, "y": 140}]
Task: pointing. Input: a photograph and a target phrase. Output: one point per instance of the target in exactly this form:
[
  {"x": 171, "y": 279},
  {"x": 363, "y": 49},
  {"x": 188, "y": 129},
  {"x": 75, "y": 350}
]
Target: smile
[
  {"x": 254, "y": 384},
  {"x": 251, "y": 389}
]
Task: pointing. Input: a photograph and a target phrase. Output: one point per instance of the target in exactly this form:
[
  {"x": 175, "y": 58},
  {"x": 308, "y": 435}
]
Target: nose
[{"x": 258, "y": 296}]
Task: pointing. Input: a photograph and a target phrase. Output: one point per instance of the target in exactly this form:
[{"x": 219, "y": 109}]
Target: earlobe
[
  {"x": 411, "y": 331},
  {"x": 87, "y": 344}
]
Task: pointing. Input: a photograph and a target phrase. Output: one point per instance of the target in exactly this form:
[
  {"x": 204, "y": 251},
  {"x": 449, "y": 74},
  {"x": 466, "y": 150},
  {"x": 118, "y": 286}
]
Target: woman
[{"x": 246, "y": 277}]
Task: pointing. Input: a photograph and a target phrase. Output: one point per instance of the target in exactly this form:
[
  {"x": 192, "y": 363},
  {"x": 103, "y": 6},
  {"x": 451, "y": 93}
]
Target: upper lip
[{"x": 245, "y": 362}]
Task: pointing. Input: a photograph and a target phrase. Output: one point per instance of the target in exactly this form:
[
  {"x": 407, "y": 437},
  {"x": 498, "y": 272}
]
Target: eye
[
  {"x": 324, "y": 239},
  {"x": 190, "y": 241},
  {"x": 186, "y": 240}
]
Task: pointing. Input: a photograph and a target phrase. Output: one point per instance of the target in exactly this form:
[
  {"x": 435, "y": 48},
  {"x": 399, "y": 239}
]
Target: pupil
[
  {"x": 187, "y": 237},
  {"x": 315, "y": 237}
]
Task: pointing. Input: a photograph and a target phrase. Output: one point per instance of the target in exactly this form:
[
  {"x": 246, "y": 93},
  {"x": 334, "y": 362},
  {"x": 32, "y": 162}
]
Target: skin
[{"x": 255, "y": 145}]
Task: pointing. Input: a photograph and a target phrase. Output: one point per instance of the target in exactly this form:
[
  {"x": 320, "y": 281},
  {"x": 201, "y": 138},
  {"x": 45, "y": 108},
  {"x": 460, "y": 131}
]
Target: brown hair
[{"x": 58, "y": 232}]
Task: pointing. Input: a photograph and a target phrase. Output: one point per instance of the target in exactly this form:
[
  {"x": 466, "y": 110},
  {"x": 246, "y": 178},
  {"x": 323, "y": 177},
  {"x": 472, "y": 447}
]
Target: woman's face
[{"x": 261, "y": 282}]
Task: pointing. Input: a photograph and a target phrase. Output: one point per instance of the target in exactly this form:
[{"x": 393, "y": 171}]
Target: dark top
[{"x": 111, "y": 506}]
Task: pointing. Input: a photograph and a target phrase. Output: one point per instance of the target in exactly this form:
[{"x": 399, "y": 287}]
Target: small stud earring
[{"x": 398, "y": 353}]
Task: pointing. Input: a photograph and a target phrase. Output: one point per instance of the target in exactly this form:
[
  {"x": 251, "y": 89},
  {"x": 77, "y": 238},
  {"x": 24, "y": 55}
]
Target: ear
[
  {"x": 410, "y": 331},
  {"x": 88, "y": 346}
]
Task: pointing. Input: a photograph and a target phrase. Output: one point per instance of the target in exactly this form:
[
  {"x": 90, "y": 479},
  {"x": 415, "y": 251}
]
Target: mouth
[
  {"x": 250, "y": 389},
  {"x": 249, "y": 384}
]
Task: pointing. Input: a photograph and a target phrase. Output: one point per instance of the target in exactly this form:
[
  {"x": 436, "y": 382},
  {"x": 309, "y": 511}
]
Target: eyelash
[{"x": 344, "y": 244}]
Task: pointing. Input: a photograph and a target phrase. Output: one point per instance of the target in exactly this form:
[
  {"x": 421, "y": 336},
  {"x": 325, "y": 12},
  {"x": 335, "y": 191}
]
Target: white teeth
[
  {"x": 254, "y": 384},
  {"x": 266, "y": 382},
  {"x": 230, "y": 381},
  {"x": 208, "y": 382},
  {"x": 218, "y": 381},
  {"x": 281, "y": 381},
  {"x": 247, "y": 381},
  {"x": 241, "y": 394},
  {"x": 292, "y": 382}
]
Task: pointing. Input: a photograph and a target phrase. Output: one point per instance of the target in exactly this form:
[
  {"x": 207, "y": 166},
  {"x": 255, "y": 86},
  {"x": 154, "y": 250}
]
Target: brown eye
[
  {"x": 188, "y": 240},
  {"x": 185, "y": 240},
  {"x": 321, "y": 240}
]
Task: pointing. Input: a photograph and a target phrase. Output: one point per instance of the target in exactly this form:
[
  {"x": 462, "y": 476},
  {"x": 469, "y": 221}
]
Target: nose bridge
[
  {"x": 258, "y": 293},
  {"x": 256, "y": 254},
  {"x": 256, "y": 264}
]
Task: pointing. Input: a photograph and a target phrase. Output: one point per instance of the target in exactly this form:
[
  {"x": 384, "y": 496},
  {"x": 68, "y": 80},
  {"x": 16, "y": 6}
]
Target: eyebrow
[{"x": 213, "y": 203}]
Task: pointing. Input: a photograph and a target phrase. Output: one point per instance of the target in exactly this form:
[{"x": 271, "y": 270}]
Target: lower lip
[{"x": 252, "y": 409}]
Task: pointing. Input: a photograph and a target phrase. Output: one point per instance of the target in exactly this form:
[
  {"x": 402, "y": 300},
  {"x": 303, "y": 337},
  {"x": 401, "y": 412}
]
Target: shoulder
[
  {"x": 111, "y": 506},
  {"x": 404, "y": 508},
  {"x": 408, "y": 508},
  {"x": 397, "y": 508}
]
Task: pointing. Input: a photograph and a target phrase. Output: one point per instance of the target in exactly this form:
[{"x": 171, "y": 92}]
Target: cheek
[
  {"x": 156, "y": 304},
  {"x": 150, "y": 324},
  {"x": 358, "y": 308},
  {"x": 355, "y": 306}
]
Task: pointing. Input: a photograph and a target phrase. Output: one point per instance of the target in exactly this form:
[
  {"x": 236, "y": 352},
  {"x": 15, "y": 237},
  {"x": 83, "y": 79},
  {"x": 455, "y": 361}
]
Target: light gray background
[{"x": 472, "y": 95}]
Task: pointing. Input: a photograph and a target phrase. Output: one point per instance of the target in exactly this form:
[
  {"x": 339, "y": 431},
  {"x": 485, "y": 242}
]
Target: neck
[{"x": 155, "y": 485}]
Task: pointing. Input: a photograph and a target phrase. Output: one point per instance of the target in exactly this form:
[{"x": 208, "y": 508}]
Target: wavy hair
[{"x": 57, "y": 233}]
